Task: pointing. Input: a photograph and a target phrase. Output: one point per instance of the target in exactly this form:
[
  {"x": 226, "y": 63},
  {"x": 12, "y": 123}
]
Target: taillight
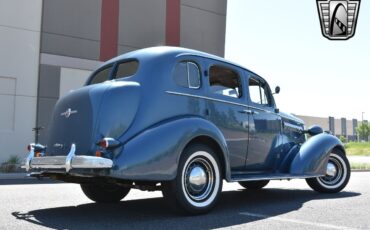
[
  {"x": 108, "y": 142},
  {"x": 36, "y": 147},
  {"x": 103, "y": 143}
]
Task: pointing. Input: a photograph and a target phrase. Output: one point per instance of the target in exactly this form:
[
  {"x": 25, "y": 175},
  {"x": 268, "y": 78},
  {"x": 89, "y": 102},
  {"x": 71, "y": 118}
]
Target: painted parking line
[{"x": 314, "y": 224}]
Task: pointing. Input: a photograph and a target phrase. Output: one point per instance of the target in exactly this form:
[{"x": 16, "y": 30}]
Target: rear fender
[
  {"x": 313, "y": 155},
  {"x": 154, "y": 154}
]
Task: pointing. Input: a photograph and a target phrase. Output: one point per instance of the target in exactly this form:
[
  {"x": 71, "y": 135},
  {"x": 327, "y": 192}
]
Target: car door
[
  {"x": 226, "y": 104},
  {"x": 264, "y": 126}
]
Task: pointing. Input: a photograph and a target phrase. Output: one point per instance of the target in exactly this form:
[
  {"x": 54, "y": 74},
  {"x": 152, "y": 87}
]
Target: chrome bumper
[{"x": 71, "y": 161}]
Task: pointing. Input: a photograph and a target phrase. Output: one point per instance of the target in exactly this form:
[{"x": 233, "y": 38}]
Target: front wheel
[
  {"x": 198, "y": 183},
  {"x": 338, "y": 172},
  {"x": 104, "y": 193}
]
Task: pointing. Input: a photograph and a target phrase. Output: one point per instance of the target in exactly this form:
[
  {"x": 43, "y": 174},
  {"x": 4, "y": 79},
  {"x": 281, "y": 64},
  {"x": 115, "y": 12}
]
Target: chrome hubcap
[
  {"x": 335, "y": 172},
  {"x": 199, "y": 179},
  {"x": 331, "y": 170}
]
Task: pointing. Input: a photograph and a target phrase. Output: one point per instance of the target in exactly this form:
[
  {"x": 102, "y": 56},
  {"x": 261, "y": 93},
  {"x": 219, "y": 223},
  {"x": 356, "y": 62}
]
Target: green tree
[
  {"x": 363, "y": 131},
  {"x": 343, "y": 139}
]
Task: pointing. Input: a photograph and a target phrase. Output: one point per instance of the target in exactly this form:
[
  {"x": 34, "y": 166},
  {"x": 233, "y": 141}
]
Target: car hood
[{"x": 292, "y": 118}]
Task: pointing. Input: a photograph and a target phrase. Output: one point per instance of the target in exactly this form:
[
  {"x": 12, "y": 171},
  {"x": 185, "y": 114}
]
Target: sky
[{"x": 282, "y": 42}]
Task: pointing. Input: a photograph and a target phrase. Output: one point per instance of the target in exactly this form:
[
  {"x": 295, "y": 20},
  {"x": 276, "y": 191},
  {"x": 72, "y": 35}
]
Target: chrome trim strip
[
  {"x": 232, "y": 103},
  {"x": 187, "y": 66},
  {"x": 219, "y": 100},
  {"x": 263, "y": 110},
  {"x": 207, "y": 98},
  {"x": 296, "y": 127},
  {"x": 291, "y": 118},
  {"x": 66, "y": 162}
]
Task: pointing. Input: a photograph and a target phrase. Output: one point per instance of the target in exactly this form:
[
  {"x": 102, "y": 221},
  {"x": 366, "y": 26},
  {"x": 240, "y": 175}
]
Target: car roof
[
  {"x": 165, "y": 51},
  {"x": 160, "y": 51},
  {"x": 171, "y": 51}
]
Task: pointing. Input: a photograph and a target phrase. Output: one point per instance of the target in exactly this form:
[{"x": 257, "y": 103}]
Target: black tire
[
  {"x": 104, "y": 193},
  {"x": 337, "y": 178},
  {"x": 254, "y": 185},
  {"x": 198, "y": 183}
]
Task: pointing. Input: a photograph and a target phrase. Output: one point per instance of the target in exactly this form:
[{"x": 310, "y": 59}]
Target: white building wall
[
  {"x": 72, "y": 79},
  {"x": 349, "y": 127},
  {"x": 320, "y": 121},
  {"x": 20, "y": 24}
]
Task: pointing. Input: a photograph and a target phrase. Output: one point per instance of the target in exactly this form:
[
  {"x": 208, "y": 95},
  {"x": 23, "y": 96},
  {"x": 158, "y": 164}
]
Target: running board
[{"x": 256, "y": 177}]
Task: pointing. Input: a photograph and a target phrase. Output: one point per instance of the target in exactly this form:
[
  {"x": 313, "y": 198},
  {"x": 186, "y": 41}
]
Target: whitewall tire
[
  {"x": 198, "y": 183},
  {"x": 337, "y": 175}
]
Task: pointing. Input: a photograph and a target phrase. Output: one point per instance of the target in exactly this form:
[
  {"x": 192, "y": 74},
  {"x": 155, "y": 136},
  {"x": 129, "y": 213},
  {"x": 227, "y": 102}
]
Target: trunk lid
[{"x": 86, "y": 115}]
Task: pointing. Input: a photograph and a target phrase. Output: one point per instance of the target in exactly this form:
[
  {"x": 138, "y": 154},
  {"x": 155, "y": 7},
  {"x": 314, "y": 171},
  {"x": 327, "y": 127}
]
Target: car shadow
[{"x": 154, "y": 213}]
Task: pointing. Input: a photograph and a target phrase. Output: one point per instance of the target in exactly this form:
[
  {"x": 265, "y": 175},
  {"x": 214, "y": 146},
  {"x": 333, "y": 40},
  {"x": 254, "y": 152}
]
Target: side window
[
  {"x": 187, "y": 74},
  {"x": 225, "y": 81},
  {"x": 193, "y": 75},
  {"x": 101, "y": 76},
  {"x": 258, "y": 92},
  {"x": 126, "y": 69}
]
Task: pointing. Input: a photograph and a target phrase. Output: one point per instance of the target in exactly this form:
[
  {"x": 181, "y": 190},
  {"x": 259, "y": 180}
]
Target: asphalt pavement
[{"x": 282, "y": 205}]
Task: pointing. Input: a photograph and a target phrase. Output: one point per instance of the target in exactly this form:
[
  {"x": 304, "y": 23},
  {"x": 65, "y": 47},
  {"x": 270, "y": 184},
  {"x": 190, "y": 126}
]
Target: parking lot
[{"x": 283, "y": 204}]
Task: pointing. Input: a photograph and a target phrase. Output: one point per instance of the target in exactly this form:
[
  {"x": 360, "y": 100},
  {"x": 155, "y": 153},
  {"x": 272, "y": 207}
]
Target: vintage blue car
[{"x": 181, "y": 121}]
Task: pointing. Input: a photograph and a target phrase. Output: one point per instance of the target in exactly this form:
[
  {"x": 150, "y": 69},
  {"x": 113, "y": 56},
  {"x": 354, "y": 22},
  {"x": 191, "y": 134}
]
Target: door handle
[{"x": 246, "y": 111}]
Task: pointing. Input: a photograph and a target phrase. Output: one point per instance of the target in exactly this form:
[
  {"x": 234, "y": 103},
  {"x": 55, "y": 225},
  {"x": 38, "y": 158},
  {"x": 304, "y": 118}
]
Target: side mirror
[
  {"x": 314, "y": 130},
  {"x": 277, "y": 89}
]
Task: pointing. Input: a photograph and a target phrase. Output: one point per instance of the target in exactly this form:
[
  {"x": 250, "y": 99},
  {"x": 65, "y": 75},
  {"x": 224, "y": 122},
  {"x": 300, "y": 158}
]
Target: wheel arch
[
  {"x": 215, "y": 146},
  {"x": 341, "y": 148},
  {"x": 313, "y": 155}
]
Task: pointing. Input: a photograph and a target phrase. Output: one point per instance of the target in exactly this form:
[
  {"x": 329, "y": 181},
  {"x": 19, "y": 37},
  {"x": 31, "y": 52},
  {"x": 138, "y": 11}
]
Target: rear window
[
  {"x": 124, "y": 69},
  {"x": 101, "y": 76},
  {"x": 127, "y": 69}
]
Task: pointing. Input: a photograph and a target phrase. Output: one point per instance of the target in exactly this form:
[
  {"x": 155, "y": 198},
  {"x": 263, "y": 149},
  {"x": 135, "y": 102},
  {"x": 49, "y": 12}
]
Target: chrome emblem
[
  {"x": 338, "y": 18},
  {"x": 68, "y": 112},
  {"x": 58, "y": 145}
]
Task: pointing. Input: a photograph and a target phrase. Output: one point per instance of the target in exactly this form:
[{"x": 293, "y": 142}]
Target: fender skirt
[{"x": 313, "y": 156}]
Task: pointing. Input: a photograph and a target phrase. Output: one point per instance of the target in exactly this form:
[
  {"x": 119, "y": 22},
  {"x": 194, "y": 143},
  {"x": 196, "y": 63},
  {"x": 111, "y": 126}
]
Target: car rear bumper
[{"x": 71, "y": 161}]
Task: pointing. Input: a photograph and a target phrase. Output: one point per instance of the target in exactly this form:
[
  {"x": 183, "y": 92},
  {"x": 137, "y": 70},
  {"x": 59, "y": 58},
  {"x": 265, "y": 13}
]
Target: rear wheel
[
  {"x": 254, "y": 185},
  {"x": 198, "y": 183},
  {"x": 338, "y": 172},
  {"x": 104, "y": 193}
]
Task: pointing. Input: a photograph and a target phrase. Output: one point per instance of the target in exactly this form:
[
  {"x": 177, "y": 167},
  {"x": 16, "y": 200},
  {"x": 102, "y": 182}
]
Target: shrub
[
  {"x": 343, "y": 139},
  {"x": 10, "y": 165}
]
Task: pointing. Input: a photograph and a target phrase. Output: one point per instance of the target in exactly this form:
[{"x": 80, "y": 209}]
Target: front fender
[
  {"x": 154, "y": 154},
  {"x": 313, "y": 155}
]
